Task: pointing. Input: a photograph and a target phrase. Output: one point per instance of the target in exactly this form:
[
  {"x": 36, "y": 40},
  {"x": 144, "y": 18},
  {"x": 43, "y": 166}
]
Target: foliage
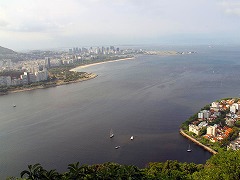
[
  {"x": 224, "y": 165},
  {"x": 184, "y": 125},
  {"x": 203, "y": 131},
  {"x": 237, "y": 123},
  {"x": 207, "y": 107}
]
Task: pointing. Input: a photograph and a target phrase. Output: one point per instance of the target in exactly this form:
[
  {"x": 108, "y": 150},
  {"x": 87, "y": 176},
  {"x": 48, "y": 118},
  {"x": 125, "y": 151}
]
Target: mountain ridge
[{"x": 6, "y": 51}]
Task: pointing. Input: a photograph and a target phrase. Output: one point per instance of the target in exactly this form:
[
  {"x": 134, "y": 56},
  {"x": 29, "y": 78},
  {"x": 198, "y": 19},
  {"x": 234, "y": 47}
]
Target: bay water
[{"x": 147, "y": 97}]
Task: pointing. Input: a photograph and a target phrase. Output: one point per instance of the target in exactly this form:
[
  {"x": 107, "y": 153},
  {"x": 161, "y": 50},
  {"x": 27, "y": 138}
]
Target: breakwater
[{"x": 197, "y": 142}]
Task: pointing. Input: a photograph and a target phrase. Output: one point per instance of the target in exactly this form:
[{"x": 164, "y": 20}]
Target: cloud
[
  {"x": 3, "y": 23},
  {"x": 231, "y": 7},
  {"x": 96, "y": 21}
]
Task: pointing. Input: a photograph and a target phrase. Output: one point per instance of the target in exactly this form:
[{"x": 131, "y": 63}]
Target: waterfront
[{"x": 148, "y": 97}]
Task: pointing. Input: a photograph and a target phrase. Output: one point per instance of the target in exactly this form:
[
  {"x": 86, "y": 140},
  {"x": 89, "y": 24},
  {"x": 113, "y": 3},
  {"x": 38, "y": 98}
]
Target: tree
[
  {"x": 224, "y": 165},
  {"x": 50, "y": 175},
  {"x": 74, "y": 170},
  {"x": 34, "y": 172}
]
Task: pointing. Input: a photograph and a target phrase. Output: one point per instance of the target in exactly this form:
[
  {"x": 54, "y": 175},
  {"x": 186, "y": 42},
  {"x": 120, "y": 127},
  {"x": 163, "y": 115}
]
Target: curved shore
[
  {"x": 197, "y": 142},
  {"x": 91, "y": 76},
  {"x": 103, "y": 62}
]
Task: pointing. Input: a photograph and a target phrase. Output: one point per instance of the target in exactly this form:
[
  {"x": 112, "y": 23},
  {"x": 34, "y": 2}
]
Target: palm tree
[
  {"x": 50, "y": 175},
  {"x": 34, "y": 172},
  {"x": 74, "y": 170}
]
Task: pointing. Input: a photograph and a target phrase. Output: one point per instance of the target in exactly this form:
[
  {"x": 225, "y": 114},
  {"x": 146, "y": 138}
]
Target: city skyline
[{"x": 42, "y": 24}]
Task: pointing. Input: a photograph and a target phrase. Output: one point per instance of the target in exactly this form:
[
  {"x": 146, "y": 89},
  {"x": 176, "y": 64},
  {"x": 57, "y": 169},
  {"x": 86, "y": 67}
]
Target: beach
[
  {"x": 88, "y": 65},
  {"x": 59, "y": 83}
]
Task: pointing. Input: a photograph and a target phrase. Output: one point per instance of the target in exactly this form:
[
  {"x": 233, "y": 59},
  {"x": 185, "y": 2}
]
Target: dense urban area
[
  {"x": 34, "y": 68},
  {"x": 47, "y": 68},
  {"x": 217, "y": 125}
]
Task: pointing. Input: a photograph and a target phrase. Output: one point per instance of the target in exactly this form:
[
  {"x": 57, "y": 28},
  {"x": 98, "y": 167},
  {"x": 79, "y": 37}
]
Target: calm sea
[{"x": 148, "y": 97}]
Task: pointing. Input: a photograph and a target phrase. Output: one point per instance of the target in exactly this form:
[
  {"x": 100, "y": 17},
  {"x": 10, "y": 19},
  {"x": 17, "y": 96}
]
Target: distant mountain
[{"x": 6, "y": 51}]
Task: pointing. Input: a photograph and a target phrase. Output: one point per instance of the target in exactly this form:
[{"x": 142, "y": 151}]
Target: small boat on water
[
  {"x": 189, "y": 149},
  {"x": 111, "y": 134},
  {"x": 117, "y": 147},
  {"x": 14, "y": 105},
  {"x": 131, "y": 138}
]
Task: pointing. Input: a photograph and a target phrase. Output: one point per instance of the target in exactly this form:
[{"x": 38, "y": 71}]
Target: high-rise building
[
  {"x": 211, "y": 130},
  {"x": 47, "y": 62}
]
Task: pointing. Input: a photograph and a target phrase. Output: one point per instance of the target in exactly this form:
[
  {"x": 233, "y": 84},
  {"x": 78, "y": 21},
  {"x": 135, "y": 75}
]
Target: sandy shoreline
[
  {"x": 91, "y": 76},
  {"x": 94, "y": 64}
]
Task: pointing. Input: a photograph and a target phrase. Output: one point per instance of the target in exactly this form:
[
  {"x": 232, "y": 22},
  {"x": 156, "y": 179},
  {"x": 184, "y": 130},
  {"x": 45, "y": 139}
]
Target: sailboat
[
  {"x": 189, "y": 149},
  {"x": 131, "y": 138},
  {"x": 111, "y": 134}
]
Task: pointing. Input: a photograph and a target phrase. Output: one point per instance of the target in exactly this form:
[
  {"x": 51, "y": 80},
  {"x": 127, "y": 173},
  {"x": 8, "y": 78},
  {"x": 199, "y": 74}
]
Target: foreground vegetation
[{"x": 224, "y": 165}]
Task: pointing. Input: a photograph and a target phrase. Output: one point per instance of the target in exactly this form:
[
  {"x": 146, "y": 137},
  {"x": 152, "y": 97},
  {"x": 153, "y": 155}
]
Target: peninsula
[{"x": 215, "y": 127}]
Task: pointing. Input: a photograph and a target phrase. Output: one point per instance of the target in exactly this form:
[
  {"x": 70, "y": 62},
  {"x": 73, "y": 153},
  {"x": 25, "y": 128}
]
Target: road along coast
[{"x": 197, "y": 142}]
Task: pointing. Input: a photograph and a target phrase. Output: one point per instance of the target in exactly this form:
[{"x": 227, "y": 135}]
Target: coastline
[
  {"x": 103, "y": 62},
  {"x": 60, "y": 83},
  {"x": 197, "y": 142}
]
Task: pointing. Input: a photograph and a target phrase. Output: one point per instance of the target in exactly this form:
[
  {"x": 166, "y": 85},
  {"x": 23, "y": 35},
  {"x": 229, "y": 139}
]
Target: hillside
[{"x": 6, "y": 51}]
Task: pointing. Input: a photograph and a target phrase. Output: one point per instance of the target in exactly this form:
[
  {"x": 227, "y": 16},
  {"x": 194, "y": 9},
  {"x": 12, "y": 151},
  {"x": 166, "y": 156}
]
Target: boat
[
  {"x": 14, "y": 105},
  {"x": 111, "y": 134},
  {"x": 189, "y": 149},
  {"x": 131, "y": 138},
  {"x": 117, "y": 147}
]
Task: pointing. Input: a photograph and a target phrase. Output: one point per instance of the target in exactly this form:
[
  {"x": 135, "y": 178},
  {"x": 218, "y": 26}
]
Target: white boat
[
  {"x": 131, "y": 138},
  {"x": 111, "y": 134},
  {"x": 189, "y": 149},
  {"x": 14, "y": 105},
  {"x": 117, "y": 147}
]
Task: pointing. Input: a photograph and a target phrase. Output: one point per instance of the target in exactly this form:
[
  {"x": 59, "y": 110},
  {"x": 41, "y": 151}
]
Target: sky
[{"x": 43, "y": 24}]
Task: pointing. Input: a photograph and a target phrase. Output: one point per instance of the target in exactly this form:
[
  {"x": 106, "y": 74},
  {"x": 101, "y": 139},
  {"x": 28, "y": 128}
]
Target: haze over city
[{"x": 41, "y": 24}]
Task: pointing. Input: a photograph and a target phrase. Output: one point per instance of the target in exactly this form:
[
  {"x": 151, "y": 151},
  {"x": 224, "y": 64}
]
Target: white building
[
  {"x": 205, "y": 114},
  {"x": 236, "y": 105},
  {"x": 24, "y": 78},
  {"x": 200, "y": 115},
  {"x": 202, "y": 124},
  {"x": 211, "y": 130},
  {"x": 233, "y": 109},
  {"x": 215, "y": 105},
  {"x": 194, "y": 129},
  {"x": 41, "y": 75}
]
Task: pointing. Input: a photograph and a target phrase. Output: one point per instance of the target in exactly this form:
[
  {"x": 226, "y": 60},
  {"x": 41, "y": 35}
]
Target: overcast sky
[{"x": 41, "y": 24}]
